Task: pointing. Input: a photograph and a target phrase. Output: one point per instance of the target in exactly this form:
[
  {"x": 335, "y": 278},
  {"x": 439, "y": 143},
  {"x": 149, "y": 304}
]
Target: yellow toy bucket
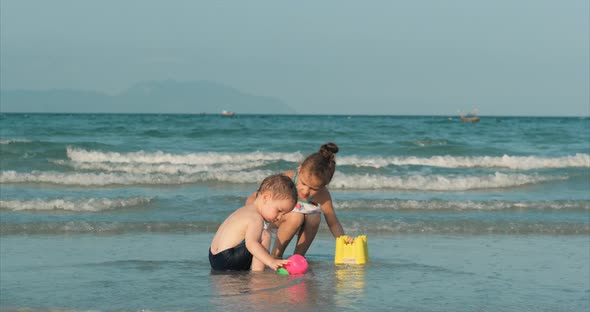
[{"x": 356, "y": 252}]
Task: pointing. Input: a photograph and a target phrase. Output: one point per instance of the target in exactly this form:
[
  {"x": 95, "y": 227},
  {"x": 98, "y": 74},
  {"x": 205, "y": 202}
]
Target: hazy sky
[{"x": 505, "y": 57}]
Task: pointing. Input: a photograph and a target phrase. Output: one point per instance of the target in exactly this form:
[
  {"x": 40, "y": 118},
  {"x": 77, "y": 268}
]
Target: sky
[{"x": 422, "y": 57}]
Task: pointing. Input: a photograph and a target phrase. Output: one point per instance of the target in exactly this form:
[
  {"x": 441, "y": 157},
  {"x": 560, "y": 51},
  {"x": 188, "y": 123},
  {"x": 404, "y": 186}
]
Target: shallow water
[
  {"x": 116, "y": 212},
  {"x": 405, "y": 273}
]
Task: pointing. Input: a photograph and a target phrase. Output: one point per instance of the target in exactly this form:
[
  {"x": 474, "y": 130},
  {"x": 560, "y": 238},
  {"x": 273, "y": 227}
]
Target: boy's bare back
[{"x": 246, "y": 223}]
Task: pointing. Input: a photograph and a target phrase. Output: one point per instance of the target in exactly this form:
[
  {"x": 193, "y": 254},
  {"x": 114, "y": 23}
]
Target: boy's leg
[
  {"x": 307, "y": 234},
  {"x": 290, "y": 224},
  {"x": 257, "y": 265}
]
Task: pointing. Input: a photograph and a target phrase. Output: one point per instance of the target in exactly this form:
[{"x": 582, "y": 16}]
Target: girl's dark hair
[
  {"x": 279, "y": 186},
  {"x": 322, "y": 164}
]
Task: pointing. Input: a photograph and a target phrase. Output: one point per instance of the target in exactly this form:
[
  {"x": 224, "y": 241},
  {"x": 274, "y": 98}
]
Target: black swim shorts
[{"x": 234, "y": 259}]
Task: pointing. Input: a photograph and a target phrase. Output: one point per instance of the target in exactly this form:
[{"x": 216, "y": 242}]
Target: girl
[{"x": 313, "y": 198}]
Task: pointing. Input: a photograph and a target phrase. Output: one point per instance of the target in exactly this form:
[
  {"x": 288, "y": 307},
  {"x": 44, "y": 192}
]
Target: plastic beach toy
[
  {"x": 297, "y": 265},
  {"x": 355, "y": 253},
  {"x": 282, "y": 271}
]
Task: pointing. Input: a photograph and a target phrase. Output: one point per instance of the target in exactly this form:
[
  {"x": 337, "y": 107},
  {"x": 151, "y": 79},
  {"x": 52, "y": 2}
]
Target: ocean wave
[
  {"x": 438, "y": 182},
  {"x": 10, "y": 141},
  {"x": 214, "y": 158},
  {"x": 107, "y": 228},
  {"x": 430, "y": 142},
  {"x": 468, "y": 227},
  {"x": 443, "y": 205},
  {"x": 164, "y": 168},
  {"x": 340, "y": 181},
  {"x": 461, "y": 227},
  {"x": 506, "y": 161},
  {"x": 77, "y": 205},
  {"x": 108, "y": 179},
  {"x": 159, "y": 157}
]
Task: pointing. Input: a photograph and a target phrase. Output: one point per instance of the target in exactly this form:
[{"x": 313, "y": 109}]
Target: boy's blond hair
[{"x": 279, "y": 187}]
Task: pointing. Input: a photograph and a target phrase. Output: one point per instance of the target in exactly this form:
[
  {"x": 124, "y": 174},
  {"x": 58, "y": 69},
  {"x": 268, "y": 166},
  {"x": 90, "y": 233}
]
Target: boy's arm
[{"x": 253, "y": 234}]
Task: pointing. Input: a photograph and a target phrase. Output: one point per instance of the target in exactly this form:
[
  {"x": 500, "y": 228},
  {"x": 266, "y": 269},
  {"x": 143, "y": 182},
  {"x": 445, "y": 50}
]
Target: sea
[{"x": 115, "y": 212}]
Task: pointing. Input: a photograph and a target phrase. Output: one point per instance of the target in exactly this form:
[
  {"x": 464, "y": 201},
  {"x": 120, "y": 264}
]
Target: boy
[{"x": 239, "y": 243}]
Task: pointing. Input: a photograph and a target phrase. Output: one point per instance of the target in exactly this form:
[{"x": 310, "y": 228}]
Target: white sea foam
[
  {"x": 429, "y": 142},
  {"x": 397, "y": 204},
  {"x": 10, "y": 141},
  {"x": 106, "y": 227},
  {"x": 355, "y": 227},
  {"x": 159, "y": 157},
  {"x": 340, "y": 181},
  {"x": 164, "y": 168},
  {"x": 437, "y": 182},
  {"x": 466, "y": 227},
  {"x": 506, "y": 161},
  {"x": 214, "y": 158},
  {"x": 116, "y": 178},
  {"x": 82, "y": 205}
]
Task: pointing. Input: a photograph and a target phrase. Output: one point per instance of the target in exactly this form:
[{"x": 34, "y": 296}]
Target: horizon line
[{"x": 293, "y": 114}]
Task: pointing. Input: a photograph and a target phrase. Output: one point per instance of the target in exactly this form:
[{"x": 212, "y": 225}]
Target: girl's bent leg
[
  {"x": 290, "y": 224},
  {"x": 311, "y": 224}
]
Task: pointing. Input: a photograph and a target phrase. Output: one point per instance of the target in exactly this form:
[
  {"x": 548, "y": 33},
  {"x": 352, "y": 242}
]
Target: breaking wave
[
  {"x": 384, "y": 227},
  {"x": 506, "y": 161},
  {"x": 211, "y": 158},
  {"x": 80, "y": 205},
  {"x": 206, "y": 158},
  {"x": 340, "y": 181},
  {"x": 443, "y": 205}
]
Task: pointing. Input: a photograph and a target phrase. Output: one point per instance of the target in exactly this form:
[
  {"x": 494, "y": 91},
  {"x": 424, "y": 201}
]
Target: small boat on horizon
[
  {"x": 469, "y": 118},
  {"x": 227, "y": 113}
]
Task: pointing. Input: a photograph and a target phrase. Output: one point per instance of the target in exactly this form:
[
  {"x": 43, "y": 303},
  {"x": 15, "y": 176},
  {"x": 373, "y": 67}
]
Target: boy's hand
[{"x": 277, "y": 263}]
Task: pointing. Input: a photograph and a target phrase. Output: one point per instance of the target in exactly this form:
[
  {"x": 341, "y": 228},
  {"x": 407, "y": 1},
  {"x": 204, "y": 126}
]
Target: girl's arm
[
  {"x": 251, "y": 198},
  {"x": 331, "y": 219},
  {"x": 330, "y": 215}
]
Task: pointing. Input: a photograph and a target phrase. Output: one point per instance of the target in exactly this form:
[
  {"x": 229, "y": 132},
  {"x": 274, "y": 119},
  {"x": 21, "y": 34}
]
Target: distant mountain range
[{"x": 169, "y": 96}]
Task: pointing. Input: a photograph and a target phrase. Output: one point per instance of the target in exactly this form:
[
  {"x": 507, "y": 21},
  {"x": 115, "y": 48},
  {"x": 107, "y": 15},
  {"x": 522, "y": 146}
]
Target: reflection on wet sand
[
  {"x": 258, "y": 291},
  {"x": 350, "y": 283}
]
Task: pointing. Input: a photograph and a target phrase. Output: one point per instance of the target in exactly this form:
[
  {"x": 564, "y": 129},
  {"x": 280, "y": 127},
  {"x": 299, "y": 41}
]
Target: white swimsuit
[{"x": 307, "y": 207}]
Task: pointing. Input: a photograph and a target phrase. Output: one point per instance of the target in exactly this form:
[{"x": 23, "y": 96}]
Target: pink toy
[{"x": 297, "y": 265}]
